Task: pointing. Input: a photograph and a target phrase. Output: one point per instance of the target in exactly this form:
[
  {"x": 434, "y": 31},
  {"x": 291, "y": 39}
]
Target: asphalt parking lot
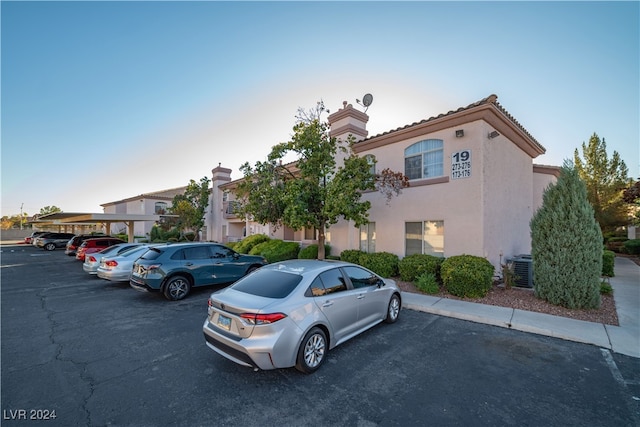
[{"x": 94, "y": 353}]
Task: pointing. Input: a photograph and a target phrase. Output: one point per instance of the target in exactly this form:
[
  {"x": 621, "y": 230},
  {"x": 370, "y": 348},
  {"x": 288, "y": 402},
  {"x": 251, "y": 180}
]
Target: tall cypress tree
[{"x": 566, "y": 244}]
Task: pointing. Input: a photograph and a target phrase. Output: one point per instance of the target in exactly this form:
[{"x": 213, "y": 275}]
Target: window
[
  {"x": 371, "y": 159},
  {"x": 221, "y": 252},
  {"x": 368, "y": 237},
  {"x": 426, "y": 237},
  {"x": 281, "y": 284},
  {"x": 161, "y": 208},
  {"x": 196, "y": 252},
  {"x": 310, "y": 233},
  {"x": 424, "y": 159},
  {"x": 361, "y": 278},
  {"x": 333, "y": 281}
]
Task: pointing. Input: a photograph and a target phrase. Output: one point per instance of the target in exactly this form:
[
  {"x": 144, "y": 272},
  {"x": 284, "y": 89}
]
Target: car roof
[
  {"x": 185, "y": 244},
  {"x": 302, "y": 266}
]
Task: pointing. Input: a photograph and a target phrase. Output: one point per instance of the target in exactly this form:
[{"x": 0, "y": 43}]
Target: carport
[{"x": 74, "y": 219}]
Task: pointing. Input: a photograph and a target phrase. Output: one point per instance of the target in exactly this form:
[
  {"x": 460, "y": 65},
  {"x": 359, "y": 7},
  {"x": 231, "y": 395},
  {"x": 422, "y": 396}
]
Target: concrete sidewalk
[{"x": 624, "y": 339}]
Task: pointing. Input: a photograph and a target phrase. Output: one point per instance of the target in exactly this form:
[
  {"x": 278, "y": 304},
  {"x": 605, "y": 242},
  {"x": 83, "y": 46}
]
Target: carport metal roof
[{"x": 81, "y": 218}]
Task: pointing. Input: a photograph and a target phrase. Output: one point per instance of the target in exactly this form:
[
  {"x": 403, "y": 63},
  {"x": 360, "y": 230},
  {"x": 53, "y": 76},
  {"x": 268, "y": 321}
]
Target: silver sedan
[
  {"x": 92, "y": 261},
  {"x": 291, "y": 313},
  {"x": 118, "y": 268}
]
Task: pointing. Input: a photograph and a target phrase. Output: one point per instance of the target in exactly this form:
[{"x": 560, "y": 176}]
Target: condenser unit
[{"x": 522, "y": 266}]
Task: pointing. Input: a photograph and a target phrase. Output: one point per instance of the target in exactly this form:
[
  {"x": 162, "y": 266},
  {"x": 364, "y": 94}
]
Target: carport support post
[{"x": 129, "y": 225}]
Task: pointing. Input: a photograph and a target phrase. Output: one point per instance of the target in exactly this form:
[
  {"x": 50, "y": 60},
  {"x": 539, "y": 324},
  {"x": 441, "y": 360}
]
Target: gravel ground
[{"x": 524, "y": 299}]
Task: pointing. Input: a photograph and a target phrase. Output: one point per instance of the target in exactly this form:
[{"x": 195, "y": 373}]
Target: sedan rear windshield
[{"x": 268, "y": 283}]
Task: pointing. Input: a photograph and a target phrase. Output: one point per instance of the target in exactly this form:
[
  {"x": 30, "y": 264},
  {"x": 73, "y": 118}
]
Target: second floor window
[
  {"x": 161, "y": 208},
  {"x": 424, "y": 159}
]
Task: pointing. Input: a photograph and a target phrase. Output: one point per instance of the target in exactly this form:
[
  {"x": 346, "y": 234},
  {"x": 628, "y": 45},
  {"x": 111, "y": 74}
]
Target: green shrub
[
  {"x": 351, "y": 255},
  {"x": 632, "y": 247},
  {"x": 467, "y": 276},
  {"x": 231, "y": 245},
  {"x": 157, "y": 235},
  {"x": 257, "y": 249},
  {"x": 605, "y": 288},
  {"x": 245, "y": 245},
  {"x": 412, "y": 266},
  {"x": 311, "y": 252},
  {"x": 427, "y": 283},
  {"x": 608, "y": 259},
  {"x": 383, "y": 263},
  {"x": 566, "y": 244},
  {"x": 276, "y": 250}
]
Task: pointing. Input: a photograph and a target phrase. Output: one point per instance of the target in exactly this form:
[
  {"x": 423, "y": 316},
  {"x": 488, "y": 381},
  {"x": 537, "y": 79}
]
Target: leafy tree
[
  {"x": 631, "y": 196},
  {"x": 191, "y": 206},
  {"x": 566, "y": 244},
  {"x": 314, "y": 191},
  {"x": 7, "y": 222},
  {"x": 605, "y": 180},
  {"x": 49, "y": 210}
]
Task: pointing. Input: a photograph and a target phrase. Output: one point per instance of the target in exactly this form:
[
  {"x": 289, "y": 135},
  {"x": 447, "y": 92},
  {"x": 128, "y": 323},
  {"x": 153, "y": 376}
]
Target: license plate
[{"x": 224, "y": 322}]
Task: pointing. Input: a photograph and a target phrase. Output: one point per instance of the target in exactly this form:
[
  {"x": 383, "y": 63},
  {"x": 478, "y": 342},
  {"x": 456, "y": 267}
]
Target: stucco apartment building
[
  {"x": 143, "y": 204},
  {"x": 473, "y": 187}
]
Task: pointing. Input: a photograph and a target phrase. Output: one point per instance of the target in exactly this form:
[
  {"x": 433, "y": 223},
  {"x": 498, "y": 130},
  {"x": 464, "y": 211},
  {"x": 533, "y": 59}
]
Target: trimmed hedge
[
  {"x": 276, "y": 250},
  {"x": 608, "y": 260},
  {"x": 246, "y": 244},
  {"x": 467, "y": 276},
  {"x": 351, "y": 255},
  {"x": 412, "y": 266},
  {"x": 632, "y": 247},
  {"x": 383, "y": 263},
  {"x": 311, "y": 252}
]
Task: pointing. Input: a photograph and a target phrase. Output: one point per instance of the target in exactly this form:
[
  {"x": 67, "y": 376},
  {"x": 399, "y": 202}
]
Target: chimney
[{"x": 346, "y": 121}]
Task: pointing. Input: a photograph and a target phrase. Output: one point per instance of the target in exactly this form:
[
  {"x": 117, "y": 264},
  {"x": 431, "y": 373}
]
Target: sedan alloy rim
[
  {"x": 394, "y": 308},
  {"x": 314, "y": 350}
]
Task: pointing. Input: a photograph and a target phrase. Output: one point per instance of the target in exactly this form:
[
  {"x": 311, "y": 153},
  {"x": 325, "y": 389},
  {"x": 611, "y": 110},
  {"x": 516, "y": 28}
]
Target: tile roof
[{"x": 490, "y": 100}]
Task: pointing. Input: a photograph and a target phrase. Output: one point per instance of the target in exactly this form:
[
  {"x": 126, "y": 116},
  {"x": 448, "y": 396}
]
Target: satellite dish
[{"x": 367, "y": 100}]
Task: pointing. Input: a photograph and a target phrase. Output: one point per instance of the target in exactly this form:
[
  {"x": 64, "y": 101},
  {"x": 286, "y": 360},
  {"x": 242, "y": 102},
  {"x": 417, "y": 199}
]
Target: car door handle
[
  {"x": 188, "y": 264},
  {"x": 361, "y": 296},
  {"x": 327, "y": 304}
]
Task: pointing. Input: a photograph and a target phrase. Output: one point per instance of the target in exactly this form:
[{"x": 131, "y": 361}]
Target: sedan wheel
[
  {"x": 394, "y": 309},
  {"x": 177, "y": 288},
  {"x": 49, "y": 246},
  {"x": 312, "y": 351}
]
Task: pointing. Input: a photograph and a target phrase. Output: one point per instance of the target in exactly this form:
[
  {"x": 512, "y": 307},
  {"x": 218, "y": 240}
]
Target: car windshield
[{"x": 268, "y": 283}]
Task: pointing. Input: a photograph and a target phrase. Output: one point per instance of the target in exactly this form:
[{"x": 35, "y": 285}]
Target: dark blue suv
[{"x": 174, "y": 268}]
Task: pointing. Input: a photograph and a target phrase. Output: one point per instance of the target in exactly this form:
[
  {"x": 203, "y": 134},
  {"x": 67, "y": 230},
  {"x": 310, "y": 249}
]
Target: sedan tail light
[
  {"x": 262, "y": 319},
  {"x": 92, "y": 259},
  {"x": 111, "y": 263}
]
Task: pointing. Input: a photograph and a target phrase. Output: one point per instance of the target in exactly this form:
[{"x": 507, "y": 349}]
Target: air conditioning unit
[{"x": 522, "y": 266}]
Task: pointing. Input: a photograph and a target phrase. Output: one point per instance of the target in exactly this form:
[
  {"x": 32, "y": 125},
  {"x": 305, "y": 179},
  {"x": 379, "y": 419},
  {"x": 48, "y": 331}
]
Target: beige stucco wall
[
  {"x": 485, "y": 215},
  {"x": 541, "y": 181},
  {"x": 507, "y": 200}
]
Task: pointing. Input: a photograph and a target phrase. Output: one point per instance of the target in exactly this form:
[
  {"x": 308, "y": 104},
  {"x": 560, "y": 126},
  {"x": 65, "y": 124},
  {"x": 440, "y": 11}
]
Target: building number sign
[{"x": 461, "y": 164}]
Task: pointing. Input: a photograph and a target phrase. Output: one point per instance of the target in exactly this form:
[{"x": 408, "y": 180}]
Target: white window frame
[
  {"x": 423, "y": 151},
  {"x": 368, "y": 237}
]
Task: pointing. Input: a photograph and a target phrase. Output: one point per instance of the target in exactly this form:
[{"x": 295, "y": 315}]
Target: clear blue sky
[{"x": 104, "y": 101}]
